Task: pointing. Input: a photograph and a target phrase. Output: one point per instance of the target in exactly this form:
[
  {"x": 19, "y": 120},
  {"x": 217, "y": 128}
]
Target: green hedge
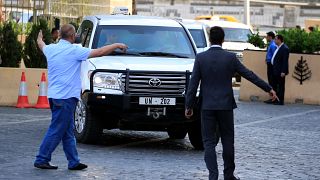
[
  {"x": 256, "y": 40},
  {"x": 10, "y": 46},
  {"x": 300, "y": 41},
  {"x": 33, "y": 56}
]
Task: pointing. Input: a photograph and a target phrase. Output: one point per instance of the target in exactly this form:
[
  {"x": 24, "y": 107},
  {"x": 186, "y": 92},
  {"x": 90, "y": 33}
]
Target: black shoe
[
  {"x": 278, "y": 103},
  {"x": 45, "y": 166},
  {"x": 232, "y": 178},
  {"x": 268, "y": 101},
  {"x": 80, "y": 166}
]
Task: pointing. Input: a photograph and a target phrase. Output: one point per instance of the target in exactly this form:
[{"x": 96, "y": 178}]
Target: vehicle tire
[
  {"x": 88, "y": 128},
  {"x": 177, "y": 133}
]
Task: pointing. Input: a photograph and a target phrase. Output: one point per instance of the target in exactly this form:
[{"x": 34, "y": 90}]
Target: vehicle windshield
[
  {"x": 146, "y": 40},
  {"x": 236, "y": 34},
  {"x": 198, "y": 37}
]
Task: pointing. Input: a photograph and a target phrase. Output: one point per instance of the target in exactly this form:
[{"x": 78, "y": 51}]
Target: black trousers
[
  {"x": 278, "y": 84},
  {"x": 269, "y": 72},
  {"x": 209, "y": 121}
]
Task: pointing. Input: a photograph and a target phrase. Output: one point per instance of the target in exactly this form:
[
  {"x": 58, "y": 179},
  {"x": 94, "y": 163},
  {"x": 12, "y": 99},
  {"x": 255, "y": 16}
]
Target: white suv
[
  {"x": 199, "y": 32},
  {"x": 142, "y": 89}
]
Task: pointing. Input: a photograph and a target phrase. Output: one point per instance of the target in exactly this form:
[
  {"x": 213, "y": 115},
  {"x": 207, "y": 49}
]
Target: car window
[
  {"x": 140, "y": 39},
  {"x": 236, "y": 34},
  {"x": 85, "y": 32},
  {"x": 198, "y": 37}
]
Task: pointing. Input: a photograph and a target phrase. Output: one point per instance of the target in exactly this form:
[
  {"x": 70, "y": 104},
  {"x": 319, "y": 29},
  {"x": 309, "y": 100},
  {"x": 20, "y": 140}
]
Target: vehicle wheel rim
[{"x": 80, "y": 117}]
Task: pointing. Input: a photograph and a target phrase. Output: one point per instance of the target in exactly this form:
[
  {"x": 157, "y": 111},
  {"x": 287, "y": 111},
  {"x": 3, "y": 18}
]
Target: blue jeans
[{"x": 60, "y": 129}]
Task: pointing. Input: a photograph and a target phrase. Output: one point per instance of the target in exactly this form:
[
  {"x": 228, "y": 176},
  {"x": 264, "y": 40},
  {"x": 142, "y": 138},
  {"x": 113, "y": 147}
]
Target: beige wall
[
  {"x": 115, "y": 3},
  {"x": 10, "y": 82},
  {"x": 311, "y": 22},
  {"x": 309, "y": 91}
]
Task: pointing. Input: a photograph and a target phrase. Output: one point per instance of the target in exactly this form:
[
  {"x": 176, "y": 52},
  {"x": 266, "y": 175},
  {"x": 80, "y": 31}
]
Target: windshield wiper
[
  {"x": 162, "y": 54},
  {"x": 125, "y": 53}
]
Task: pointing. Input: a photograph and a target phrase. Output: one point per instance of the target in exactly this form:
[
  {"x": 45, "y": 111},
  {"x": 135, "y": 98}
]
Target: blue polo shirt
[
  {"x": 271, "y": 49},
  {"x": 64, "y": 66}
]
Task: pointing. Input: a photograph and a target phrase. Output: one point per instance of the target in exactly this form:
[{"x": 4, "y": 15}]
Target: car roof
[
  {"x": 225, "y": 24},
  {"x": 134, "y": 20},
  {"x": 192, "y": 24}
]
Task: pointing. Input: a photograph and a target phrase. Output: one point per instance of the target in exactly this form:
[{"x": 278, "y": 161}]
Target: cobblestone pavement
[{"x": 272, "y": 142}]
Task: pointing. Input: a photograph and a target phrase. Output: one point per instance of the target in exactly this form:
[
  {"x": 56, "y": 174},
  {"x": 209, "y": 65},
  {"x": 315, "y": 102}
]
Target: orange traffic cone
[
  {"x": 42, "y": 98},
  {"x": 23, "y": 101}
]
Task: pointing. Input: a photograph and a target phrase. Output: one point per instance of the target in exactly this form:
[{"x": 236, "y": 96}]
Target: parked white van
[
  {"x": 236, "y": 36},
  {"x": 199, "y": 32}
]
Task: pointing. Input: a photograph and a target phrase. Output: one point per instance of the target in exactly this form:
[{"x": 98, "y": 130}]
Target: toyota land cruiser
[{"x": 142, "y": 89}]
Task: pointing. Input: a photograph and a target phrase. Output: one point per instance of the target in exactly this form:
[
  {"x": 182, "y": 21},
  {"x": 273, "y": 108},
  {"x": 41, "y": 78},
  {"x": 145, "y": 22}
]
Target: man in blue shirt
[
  {"x": 270, "y": 51},
  {"x": 64, "y": 89}
]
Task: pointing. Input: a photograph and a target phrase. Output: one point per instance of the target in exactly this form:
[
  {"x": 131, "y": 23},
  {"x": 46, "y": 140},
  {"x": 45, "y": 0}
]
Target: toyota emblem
[{"x": 154, "y": 82}]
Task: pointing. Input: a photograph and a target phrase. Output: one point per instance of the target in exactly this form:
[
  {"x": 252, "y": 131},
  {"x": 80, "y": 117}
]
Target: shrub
[
  {"x": 256, "y": 40},
  {"x": 300, "y": 41},
  {"x": 10, "y": 47},
  {"x": 294, "y": 39},
  {"x": 33, "y": 56}
]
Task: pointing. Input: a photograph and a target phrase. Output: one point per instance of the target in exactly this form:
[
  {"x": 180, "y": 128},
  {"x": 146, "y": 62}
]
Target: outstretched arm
[
  {"x": 107, "y": 50},
  {"x": 250, "y": 76}
]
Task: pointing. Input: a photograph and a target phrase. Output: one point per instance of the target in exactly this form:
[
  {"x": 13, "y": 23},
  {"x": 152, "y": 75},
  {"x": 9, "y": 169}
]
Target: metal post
[
  {"x": 34, "y": 12},
  {"x": 247, "y": 12}
]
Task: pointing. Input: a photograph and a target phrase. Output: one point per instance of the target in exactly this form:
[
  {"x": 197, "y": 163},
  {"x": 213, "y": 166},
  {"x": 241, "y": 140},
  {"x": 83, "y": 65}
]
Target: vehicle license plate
[{"x": 157, "y": 101}]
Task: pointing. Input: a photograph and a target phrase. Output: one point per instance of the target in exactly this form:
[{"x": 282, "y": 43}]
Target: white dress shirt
[
  {"x": 275, "y": 53},
  {"x": 216, "y": 46}
]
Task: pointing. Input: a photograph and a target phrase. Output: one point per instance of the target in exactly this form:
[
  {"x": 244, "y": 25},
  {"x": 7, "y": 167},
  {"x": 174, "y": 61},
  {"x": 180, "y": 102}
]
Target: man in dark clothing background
[
  {"x": 215, "y": 69},
  {"x": 270, "y": 51},
  {"x": 280, "y": 68}
]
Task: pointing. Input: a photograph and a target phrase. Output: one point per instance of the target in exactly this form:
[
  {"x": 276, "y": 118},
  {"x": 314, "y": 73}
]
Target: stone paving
[{"x": 272, "y": 142}]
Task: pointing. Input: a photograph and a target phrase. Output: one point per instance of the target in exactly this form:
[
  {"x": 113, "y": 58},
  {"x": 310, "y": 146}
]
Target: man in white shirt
[{"x": 280, "y": 68}]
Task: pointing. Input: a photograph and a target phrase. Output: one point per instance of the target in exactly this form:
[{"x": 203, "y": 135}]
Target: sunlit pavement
[{"x": 272, "y": 142}]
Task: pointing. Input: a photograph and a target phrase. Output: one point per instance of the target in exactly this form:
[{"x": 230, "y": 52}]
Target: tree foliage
[
  {"x": 256, "y": 40},
  {"x": 33, "y": 56},
  {"x": 300, "y": 41},
  {"x": 10, "y": 47}
]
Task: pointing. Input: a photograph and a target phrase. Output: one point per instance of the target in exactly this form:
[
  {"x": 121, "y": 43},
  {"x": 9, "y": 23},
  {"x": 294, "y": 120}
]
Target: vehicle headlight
[{"x": 107, "y": 80}]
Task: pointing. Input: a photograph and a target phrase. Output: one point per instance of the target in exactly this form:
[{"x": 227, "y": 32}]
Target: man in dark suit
[
  {"x": 215, "y": 69},
  {"x": 280, "y": 68}
]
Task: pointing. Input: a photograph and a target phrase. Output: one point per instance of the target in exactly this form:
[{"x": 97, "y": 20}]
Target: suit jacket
[
  {"x": 280, "y": 61},
  {"x": 215, "y": 69}
]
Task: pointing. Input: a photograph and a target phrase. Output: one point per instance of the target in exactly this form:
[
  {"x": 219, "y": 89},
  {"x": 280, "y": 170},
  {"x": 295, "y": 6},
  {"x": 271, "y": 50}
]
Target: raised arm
[
  {"x": 107, "y": 50},
  {"x": 40, "y": 42}
]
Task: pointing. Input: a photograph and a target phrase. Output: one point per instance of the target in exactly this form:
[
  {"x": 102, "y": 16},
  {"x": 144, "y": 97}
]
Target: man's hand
[
  {"x": 40, "y": 42},
  {"x": 188, "y": 113},
  {"x": 40, "y": 35},
  {"x": 122, "y": 47},
  {"x": 273, "y": 95},
  {"x": 283, "y": 75}
]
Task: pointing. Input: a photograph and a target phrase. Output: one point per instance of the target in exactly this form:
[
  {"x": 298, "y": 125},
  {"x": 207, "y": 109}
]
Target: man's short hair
[
  {"x": 216, "y": 35},
  {"x": 280, "y": 37},
  {"x": 54, "y": 29},
  {"x": 67, "y": 31},
  {"x": 271, "y": 34}
]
